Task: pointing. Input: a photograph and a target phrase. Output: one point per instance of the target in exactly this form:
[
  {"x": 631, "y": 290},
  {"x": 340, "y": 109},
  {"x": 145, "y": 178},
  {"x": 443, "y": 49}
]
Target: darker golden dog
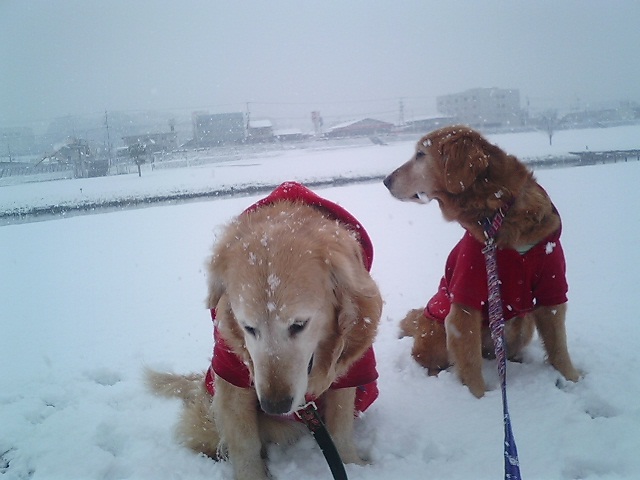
[
  {"x": 296, "y": 313},
  {"x": 471, "y": 179}
]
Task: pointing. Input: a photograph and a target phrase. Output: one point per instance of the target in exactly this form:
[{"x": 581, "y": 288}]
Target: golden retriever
[
  {"x": 296, "y": 307},
  {"x": 471, "y": 179}
]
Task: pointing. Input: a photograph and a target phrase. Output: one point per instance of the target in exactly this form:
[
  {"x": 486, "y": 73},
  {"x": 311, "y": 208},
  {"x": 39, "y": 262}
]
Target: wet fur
[
  {"x": 269, "y": 268},
  {"x": 470, "y": 179}
]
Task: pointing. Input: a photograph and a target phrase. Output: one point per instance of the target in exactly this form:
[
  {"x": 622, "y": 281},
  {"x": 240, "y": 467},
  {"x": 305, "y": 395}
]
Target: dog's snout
[{"x": 278, "y": 406}]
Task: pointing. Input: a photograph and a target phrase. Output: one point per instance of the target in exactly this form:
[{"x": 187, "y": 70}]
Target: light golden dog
[
  {"x": 471, "y": 179},
  {"x": 296, "y": 305}
]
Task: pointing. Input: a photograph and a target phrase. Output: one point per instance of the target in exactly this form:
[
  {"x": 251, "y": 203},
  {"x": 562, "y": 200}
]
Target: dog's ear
[
  {"x": 357, "y": 295},
  {"x": 215, "y": 284},
  {"x": 359, "y": 306},
  {"x": 465, "y": 159}
]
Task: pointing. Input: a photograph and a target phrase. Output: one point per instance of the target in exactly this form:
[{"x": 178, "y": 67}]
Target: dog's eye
[
  {"x": 419, "y": 154},
  {"x": 251, "y": 331},
  {"x": 297, "y": 327}
]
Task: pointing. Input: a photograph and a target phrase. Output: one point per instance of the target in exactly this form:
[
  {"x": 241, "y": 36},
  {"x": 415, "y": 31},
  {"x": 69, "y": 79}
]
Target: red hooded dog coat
[
  {"x": 534, "y": 278},
  {"x": 362, "y": 374}
]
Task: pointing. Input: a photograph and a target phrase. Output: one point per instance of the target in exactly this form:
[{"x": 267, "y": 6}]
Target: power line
[{"x": 217, "y": 106}]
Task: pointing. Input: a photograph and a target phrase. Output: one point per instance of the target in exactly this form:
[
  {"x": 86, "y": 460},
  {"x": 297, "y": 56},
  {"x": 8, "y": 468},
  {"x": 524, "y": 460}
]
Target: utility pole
[
  {"x": 246, "y": 132},
  {"x": 6, "y": 139},
  {"x": 106, "y": 123}
]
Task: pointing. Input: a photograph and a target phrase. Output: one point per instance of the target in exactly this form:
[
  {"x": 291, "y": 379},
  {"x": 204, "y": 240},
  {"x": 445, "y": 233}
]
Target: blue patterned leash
[{"x": 496, "y": 325}]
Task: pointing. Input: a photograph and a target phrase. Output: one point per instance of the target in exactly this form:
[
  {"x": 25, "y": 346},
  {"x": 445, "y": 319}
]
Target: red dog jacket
[
  {"x": 536, "y": 277},
  {"x": 362, "y": 374}
]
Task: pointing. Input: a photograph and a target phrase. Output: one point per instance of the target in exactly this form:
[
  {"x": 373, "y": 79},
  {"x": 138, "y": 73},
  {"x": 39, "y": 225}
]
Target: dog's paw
[
  {"x": 475, "y": 384},
  {"x": 569, "y": 378},
  {"x": 356, "y": 460},
  {"x": 573, "y": 375},
  {"x": 569, "y": 386},
  {"x": 349, "y": 453},
  {"x": 476, "y": 391},
  {"x": 251, "y": 471}
]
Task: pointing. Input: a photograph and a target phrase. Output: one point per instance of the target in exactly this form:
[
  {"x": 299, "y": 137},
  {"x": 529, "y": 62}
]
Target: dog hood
[
  {"x": 363, "y": 373},
  {"x": 294, "y": 191}
]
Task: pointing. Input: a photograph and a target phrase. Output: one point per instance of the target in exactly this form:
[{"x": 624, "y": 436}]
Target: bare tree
[
  {"x": 550, "y": 122},
  {"x": 138, "y": 152}
]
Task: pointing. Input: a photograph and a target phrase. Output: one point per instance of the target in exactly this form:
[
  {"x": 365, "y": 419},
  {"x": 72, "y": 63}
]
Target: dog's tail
[
  {"x": 185, "y": 387},
  {"x": 409, "y": 325}
]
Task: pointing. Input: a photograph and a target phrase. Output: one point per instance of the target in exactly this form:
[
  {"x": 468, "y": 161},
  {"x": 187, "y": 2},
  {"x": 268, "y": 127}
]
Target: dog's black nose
[
  {"x": 388, "y": 181},
  {"x": 276, "y": 406}
]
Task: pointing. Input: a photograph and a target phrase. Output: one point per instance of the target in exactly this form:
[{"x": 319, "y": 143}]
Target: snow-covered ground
[{"x": 87, "y": 302}]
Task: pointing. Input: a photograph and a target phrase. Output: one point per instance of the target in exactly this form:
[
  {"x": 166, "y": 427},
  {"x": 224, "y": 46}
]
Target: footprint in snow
[
  {"x": 593, "y": 405},
  {"x": 104, "y": 377}
]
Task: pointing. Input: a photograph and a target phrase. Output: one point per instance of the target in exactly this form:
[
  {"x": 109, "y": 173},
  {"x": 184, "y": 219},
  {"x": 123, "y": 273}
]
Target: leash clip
[{"x": 308, "y": 413}]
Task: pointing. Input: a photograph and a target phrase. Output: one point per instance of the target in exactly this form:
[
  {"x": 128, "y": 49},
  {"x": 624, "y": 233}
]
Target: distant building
[
  {"x": 625, "y": 113},
  {"x": 483, "y": 107},
  {"x": 77, "y": 154},
  {"x": 219, "y": 128},
  {"x": 427, "y": 124},
  {"x": 153, "y": 142},
  {"x": 290, "y": 135},
  {"x": 363, "y": 127},
  {"x": 260, "y": 131}
]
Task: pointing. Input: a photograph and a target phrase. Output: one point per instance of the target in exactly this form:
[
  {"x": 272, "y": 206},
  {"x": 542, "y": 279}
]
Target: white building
[{"x": 488, "y": 107}]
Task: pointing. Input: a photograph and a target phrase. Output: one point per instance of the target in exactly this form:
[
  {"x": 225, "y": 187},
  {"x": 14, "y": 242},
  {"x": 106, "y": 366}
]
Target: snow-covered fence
[
  {"x": 10, "y": 169},
  {"x": 609, "y": 156}
]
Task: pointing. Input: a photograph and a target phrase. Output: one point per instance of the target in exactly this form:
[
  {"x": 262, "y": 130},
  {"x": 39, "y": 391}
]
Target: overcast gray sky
[{"x": 87, "y": 56}]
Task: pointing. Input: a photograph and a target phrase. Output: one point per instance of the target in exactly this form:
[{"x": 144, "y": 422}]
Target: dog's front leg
[
  {"x": 464, "y": 343},
  {"x": 236, "y": 415},
  {"x": 339, "y": 414},
  {"x": 550, "y": 322}
]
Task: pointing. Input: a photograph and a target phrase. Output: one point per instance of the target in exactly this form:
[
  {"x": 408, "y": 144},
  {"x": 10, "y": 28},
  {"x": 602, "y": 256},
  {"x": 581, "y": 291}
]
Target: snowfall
[{"x": 88, "y": 301}]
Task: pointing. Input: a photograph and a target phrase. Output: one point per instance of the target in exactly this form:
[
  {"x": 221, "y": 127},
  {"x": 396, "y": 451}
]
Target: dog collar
[{"x": 492, "y": 225}]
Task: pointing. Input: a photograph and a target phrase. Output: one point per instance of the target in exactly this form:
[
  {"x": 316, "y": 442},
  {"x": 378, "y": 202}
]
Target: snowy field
[
  {"x": 87, "y": 302},
  {"x": 318, "y": 163}
]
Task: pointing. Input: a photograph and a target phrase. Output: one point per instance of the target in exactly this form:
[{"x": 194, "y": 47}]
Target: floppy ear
[
  {"x": 218, "y": 299},
  {"x": 464, "y": 159},
  {"x": 357, "y": 294},
  {"x": 215, "y": 285},
  {"x": 359, "y": 304}
]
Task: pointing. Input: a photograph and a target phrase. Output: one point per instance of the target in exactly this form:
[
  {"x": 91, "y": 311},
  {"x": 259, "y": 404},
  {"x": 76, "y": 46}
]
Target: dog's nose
[
  {"x": 388, "y": 181},
  {"x": 276, "y": 406}
]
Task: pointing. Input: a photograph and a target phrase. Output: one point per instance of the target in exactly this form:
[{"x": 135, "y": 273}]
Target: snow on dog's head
[{"x": 290, "y": 287}]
